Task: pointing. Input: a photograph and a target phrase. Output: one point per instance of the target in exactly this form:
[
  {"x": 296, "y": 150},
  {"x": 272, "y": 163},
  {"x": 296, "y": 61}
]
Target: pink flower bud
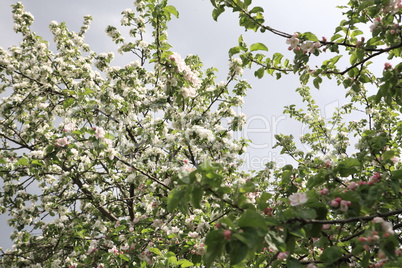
[
  {"x": 387, "y": 66},
  {"x": 362, "y": 239},
  {"x": 326, "y": 226},
  {"x": 227, "y": 234},
  {"x": 353, "y": 185},
  {"x": 324, "y": 191},
  {"x": 334, "y": 204},
  {"x": 282, "y": 256},
  {"x": 268, "y": 211}
]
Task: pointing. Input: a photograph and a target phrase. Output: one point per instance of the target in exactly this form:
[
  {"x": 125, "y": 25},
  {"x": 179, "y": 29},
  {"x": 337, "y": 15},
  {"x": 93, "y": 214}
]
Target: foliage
[{"x": 131, "y": 166}]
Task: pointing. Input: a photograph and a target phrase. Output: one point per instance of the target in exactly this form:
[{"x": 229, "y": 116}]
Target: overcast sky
[{"x": 196, "y": 33}]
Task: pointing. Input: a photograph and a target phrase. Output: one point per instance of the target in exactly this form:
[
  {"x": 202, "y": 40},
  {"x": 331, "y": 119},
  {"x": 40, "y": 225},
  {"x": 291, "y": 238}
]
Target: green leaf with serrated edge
[
  {"x": 293, "y": 263},
  {"x": 124, "y": 257},
  {"x": 196, "y": 196},
  {"x": 259, "y": 73},
  {"x": 238, "y": 251},
  {"x": 262, "y": 200},
  {"x": 173, "y": 200},
  {"x": 156, "y": 251},
  {"x": 397, "y": 174},
  {"x": 185, "y": 263},
  {"x": 215, "y": 242},
  {"x": 388, "y": 154},
  {"x": 172, "y": 261},
  {"x": 234, "y": 51},
  {"x": 68, "y": 102},
  {"x": 251, "y": 218},
  {"x": 309, "y": 36},
  {"x": 217, "y": 12},
  {"x": 23, "y": 161},
  {"x": 258, "y": 46},
  {"x": 256, "y": 10},
  {"x": 172, "y": 10},
  {"x": 331, "y": 255}
]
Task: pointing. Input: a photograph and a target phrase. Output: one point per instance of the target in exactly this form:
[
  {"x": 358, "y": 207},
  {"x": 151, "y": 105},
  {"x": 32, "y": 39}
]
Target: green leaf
[
  {"x": 397, "y": 174},
  {"x": 336, "y": 37},
  {"x": 388, "y": 155},
  {"x": 298, "y": 232},
  {"x": 156, "y": 251},
  {"x": 293, "y": 263},
  {"x": 242, "y": 44},
  {"x": 238, "y": 251},
  {"x": 196, "y": 196},
  {"x": 173, "y": 200},
  {"x": 124, "y": 257},
  {"x": 256, "y": 10},
  {"x": 309, "y": 36},
  {"x": 23, "y": 161},
  {"x": 258, "y": 46},
  {"x": 216, "y": 12},
  {"x": 234, "y": 51},
  {"x": 306, "y": 213},
  {"x": 185, "y": 263},
  {"x": 172, "y": 10},
  {"x": 262, "y": 200},
  {"x": 68, "y": 102},
  {"x": 251, "y": 218},
  {"x": 331, "y": 255},
  {"x": 172, "y": 260},
  {"x": 317, "y": 81},
  {"x": 259, "y": 73},
  {"x": 215, "y": 242}
]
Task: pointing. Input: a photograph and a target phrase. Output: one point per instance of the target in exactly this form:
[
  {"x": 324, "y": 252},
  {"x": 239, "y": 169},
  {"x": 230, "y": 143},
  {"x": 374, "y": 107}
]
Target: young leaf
[
  {"x": 258, "y": 46},
  {"x": 172, "y": 10}
]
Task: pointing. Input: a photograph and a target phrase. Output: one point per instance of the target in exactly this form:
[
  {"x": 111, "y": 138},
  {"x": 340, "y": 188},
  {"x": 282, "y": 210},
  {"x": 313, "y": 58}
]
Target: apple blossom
[
  {"x": 170, "y": 168},
  {"x": 293, "y": 41},
  {"x": 298, "y": 199},
  {"x": 344, "y": 205},
  {"x": 62, "y": 142},
  {"x": 282, "y": 256}
]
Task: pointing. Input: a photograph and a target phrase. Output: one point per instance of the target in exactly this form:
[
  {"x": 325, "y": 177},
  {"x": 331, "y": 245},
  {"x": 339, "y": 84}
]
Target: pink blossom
[
  {"x": 326, "y": 226},
  {"x": 328, "y": 163},
  {"x": 375, "y": 178},
  {"x": 62, "y": 142},
  {"x": 353, "y": 185},
  {"x": 309, "y": 47},
  {"x": 227, "y": 234},
  {"x": 334, "y": 204},
  {"x": 362, "y": 239},
  {"x": 114, "y": 250},
  {"x": 282, "y": 256},
  {"x": 297, "y": 199},
  {"x": 69, "y": 127},
  {"x": 293, "y": 41},
  {"x": 99, "y": 132},
  {"x": 387, "y": 66},
  {"x": 345, "y": 205},
  {"x": 375, "y": 24},
  {"x": 387, "y": 227},
  {"x": 324, "y": 191}
]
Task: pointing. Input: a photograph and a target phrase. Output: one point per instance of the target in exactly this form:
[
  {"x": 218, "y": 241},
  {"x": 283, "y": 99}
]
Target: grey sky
[{"x": 196, "y": 33}]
